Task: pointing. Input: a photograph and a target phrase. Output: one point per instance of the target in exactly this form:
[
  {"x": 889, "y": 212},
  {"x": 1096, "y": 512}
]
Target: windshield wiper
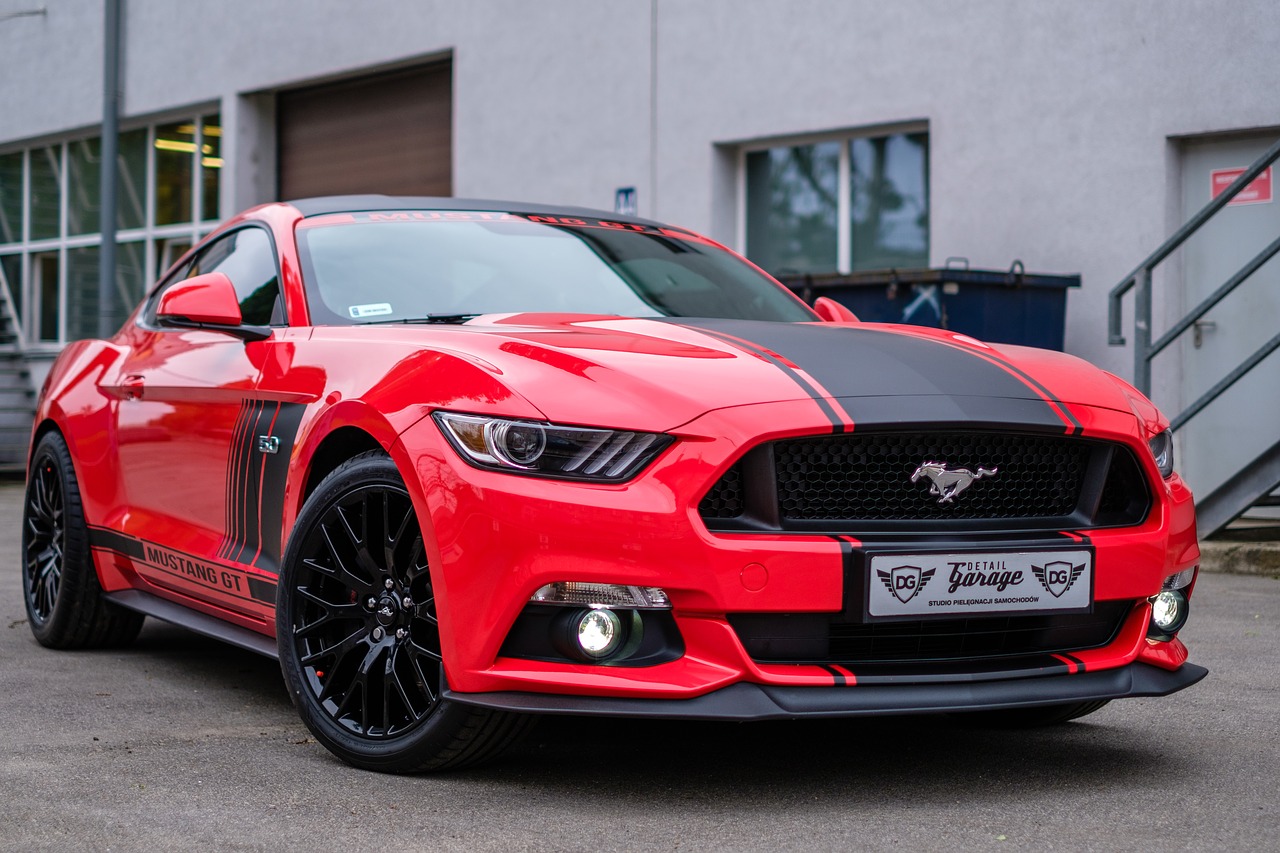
[{"x": 444, "y": 319}]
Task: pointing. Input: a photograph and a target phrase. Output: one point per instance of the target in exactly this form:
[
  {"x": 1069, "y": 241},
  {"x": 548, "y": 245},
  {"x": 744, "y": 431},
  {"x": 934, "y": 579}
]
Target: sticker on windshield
[{"x": 374, "y": 309}]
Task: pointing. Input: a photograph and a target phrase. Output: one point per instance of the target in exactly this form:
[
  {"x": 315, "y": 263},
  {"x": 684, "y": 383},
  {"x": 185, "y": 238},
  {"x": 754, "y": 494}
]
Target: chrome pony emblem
[{"x": 946, "y": 482}]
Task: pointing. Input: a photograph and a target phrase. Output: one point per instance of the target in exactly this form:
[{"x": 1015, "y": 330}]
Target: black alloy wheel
[
  {"x": 44, "y": 537},
  {"x": 60, "y": 586},
  {"x": 365, "y": 629},
  {"x": 358, "y": 636}
]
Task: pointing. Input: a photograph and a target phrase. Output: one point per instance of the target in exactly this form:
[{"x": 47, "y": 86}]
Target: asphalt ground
[{"x": 180, "y": 743}]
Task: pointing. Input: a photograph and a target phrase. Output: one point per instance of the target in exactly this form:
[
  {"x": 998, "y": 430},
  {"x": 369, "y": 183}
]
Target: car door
[{"x": 187, "y": 425}]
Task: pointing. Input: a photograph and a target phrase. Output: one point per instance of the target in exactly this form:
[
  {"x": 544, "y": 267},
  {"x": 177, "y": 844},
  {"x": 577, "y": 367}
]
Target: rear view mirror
[
  {"x": 833, "y": 312},
  {"x": 206, "y": 301}
]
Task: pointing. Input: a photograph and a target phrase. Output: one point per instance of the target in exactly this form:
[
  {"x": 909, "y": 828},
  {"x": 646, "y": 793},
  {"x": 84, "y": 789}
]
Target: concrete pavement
[{"x": 180, "y": 743}]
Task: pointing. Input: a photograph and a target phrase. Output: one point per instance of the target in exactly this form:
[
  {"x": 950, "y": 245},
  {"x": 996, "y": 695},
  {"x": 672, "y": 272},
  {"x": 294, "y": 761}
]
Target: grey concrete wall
[{"x": 1049, "y": 122}]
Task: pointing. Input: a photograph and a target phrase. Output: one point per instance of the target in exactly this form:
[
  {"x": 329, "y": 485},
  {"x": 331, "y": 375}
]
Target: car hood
[{"x": 657, "y": 374}]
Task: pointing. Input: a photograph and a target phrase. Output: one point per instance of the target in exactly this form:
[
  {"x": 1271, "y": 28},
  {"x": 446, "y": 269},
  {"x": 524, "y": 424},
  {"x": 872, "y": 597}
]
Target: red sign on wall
[{"x": 1257, "y": 192}]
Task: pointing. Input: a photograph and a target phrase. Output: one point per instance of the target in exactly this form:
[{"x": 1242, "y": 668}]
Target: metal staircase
[
  {"x": 1254, "y": 483},
  {"x": 17, "y": 395}
]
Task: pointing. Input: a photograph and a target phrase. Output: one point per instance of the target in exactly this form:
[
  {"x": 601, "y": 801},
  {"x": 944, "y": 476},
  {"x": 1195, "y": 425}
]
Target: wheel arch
[
  {"x": 39, "y": 431},
  {"x": 335, "y": 448}
]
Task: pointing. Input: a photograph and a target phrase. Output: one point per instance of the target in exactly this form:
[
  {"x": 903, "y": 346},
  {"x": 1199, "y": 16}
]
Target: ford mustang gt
[{"x": 457, "y": 464}]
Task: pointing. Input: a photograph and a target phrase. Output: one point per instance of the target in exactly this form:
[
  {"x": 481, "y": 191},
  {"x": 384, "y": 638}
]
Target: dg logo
[{"x": 905, "y": 581}]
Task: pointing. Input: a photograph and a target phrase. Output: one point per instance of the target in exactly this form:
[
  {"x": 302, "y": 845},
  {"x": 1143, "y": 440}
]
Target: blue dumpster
[{"x": 1002, "y": 306}]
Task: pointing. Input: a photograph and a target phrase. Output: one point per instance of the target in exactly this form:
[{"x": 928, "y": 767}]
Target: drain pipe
[{"x": 113, "y": 12}]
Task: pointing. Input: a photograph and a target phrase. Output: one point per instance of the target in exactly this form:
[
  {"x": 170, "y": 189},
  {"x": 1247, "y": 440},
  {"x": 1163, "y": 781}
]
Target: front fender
[{"x": 77, "y": 398}]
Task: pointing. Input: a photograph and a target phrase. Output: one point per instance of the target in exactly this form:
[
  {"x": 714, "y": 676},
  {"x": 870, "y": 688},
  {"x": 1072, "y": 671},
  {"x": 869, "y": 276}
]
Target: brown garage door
[{"x": 391, "y": 133}]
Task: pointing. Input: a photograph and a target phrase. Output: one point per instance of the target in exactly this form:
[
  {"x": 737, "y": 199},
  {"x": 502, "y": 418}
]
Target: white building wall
[{"x": 1049, "y": 122}]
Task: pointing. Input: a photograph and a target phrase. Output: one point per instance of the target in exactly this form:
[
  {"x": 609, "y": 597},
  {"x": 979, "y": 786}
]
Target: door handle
[
  {"x": 1198, "y": 330},
  {"x": 132, "y": 386}
]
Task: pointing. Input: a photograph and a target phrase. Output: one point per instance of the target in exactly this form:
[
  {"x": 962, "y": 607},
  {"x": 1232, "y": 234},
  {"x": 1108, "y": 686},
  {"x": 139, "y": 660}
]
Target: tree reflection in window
[
  {"x": 795, "y": 198},
  {"x": 792, "y": 207},
  {"x": 889, "y": 209}
]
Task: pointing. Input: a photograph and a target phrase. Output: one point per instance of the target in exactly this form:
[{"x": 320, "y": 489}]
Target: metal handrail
[
  {"x": 6, "y": 296},
  {"x": 1226, "y": 382},
  {"x": 1143, "y": 348},
  {"x": 1214, "y": 298}
]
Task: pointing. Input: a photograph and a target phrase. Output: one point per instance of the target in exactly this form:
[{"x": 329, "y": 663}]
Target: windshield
[{"x": 384, "y": 267}]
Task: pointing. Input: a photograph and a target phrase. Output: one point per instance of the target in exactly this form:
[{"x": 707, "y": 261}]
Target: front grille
[
  {"x": 725, "y": 498},
  {"x": 817, "y": 638},
  {"x": 859, "y": 482},
  {"x": 827, "y": 478}
]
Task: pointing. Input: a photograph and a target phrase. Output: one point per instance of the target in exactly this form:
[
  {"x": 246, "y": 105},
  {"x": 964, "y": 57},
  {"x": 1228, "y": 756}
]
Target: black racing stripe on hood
[
  {"x": 1074, "y": 427},
  {"x": 849, "y": 362},
  {"x": 817, "y": 396}
]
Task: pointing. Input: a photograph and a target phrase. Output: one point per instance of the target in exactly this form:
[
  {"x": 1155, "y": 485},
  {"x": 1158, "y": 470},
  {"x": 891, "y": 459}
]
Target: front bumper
[
  {"x": 494, "y": 538},
  {"x": 744, "y": 702}
]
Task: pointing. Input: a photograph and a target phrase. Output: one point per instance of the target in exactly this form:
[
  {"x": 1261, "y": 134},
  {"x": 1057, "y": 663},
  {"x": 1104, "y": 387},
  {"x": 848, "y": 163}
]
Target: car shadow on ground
[
  {"x": 183, "y": 655},
  {"x": 919, "y": 758},
  {"x": 926, "y": 759}
]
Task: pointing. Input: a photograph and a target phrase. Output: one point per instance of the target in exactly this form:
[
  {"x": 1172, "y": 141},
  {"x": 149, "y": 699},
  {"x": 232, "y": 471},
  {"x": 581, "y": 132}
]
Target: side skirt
[{"x": 193, "y": 620}]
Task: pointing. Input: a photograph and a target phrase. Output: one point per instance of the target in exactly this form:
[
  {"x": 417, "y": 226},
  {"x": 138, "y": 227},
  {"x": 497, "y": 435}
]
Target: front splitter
[{"x": 744, "y": 701}]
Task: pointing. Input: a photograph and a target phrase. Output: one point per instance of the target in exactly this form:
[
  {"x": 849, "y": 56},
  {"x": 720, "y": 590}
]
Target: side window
[{"x": 247, "y": 258}]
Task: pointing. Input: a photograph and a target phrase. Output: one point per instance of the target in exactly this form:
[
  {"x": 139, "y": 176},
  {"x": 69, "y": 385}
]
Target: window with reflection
[
  {"x": 84, "y": 168},
  {"x": 46, "y": 286},
  {"x": 175, "y": 146},
  {"x": 168, "y": 252},
  {"x": 167, "y": 197},
  {"x": 889, "y": 201},
  {"x": 792, "y": 204},
  {"x": 11, "y": 279},
  {"x": 11, "y": 198},
  {"x": 83, "y": 299},
  {"x": 210, "y": 164},
  {"x": 45, "y": 199},
  {"x": 131, "y": 191},
  {"x": 841, "y": 205}
]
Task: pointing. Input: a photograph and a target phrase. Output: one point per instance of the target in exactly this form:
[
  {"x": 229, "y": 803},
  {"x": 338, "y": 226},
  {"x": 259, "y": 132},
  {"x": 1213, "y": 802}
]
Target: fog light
[
  {"x": 599, "y": 633},
  {"x": 1168, "y": 614}
]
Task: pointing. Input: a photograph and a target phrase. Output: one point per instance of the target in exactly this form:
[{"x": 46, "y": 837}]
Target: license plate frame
[{"x": 940, "y": 594}]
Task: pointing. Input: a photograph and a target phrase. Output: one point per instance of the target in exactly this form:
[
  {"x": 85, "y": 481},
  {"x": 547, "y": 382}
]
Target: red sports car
[{"x": 460, "y": 463}]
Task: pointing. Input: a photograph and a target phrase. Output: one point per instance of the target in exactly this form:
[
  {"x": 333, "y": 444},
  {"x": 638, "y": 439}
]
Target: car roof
[{"x": 360, "y": 203}]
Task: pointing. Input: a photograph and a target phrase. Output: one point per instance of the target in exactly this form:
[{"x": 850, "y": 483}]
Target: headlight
[
  {"x": 550, "y": 450},
  {"x": 1162, "y": 450}
]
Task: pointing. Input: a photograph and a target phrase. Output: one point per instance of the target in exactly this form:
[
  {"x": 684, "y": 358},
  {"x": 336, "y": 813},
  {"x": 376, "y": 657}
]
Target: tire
[
  {"x": 1026, "y": 718},
  {"x": 60, "y": 589},
  {"x": 358, "y": 637}
]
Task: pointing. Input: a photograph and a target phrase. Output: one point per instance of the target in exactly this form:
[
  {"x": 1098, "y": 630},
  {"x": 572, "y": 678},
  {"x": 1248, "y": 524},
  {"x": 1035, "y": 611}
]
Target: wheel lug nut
[
  {"x": 406, "y": 602},
  {"x": 401, "y": 633},
  {"x": 377, "y": 633},
  {"x": 371, "y": 603},
  {"x": 389, "y": 583}
]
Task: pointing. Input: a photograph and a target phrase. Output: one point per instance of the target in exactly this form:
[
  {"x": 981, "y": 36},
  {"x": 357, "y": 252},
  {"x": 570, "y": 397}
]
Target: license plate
[{"x": 950, "y": 583}]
